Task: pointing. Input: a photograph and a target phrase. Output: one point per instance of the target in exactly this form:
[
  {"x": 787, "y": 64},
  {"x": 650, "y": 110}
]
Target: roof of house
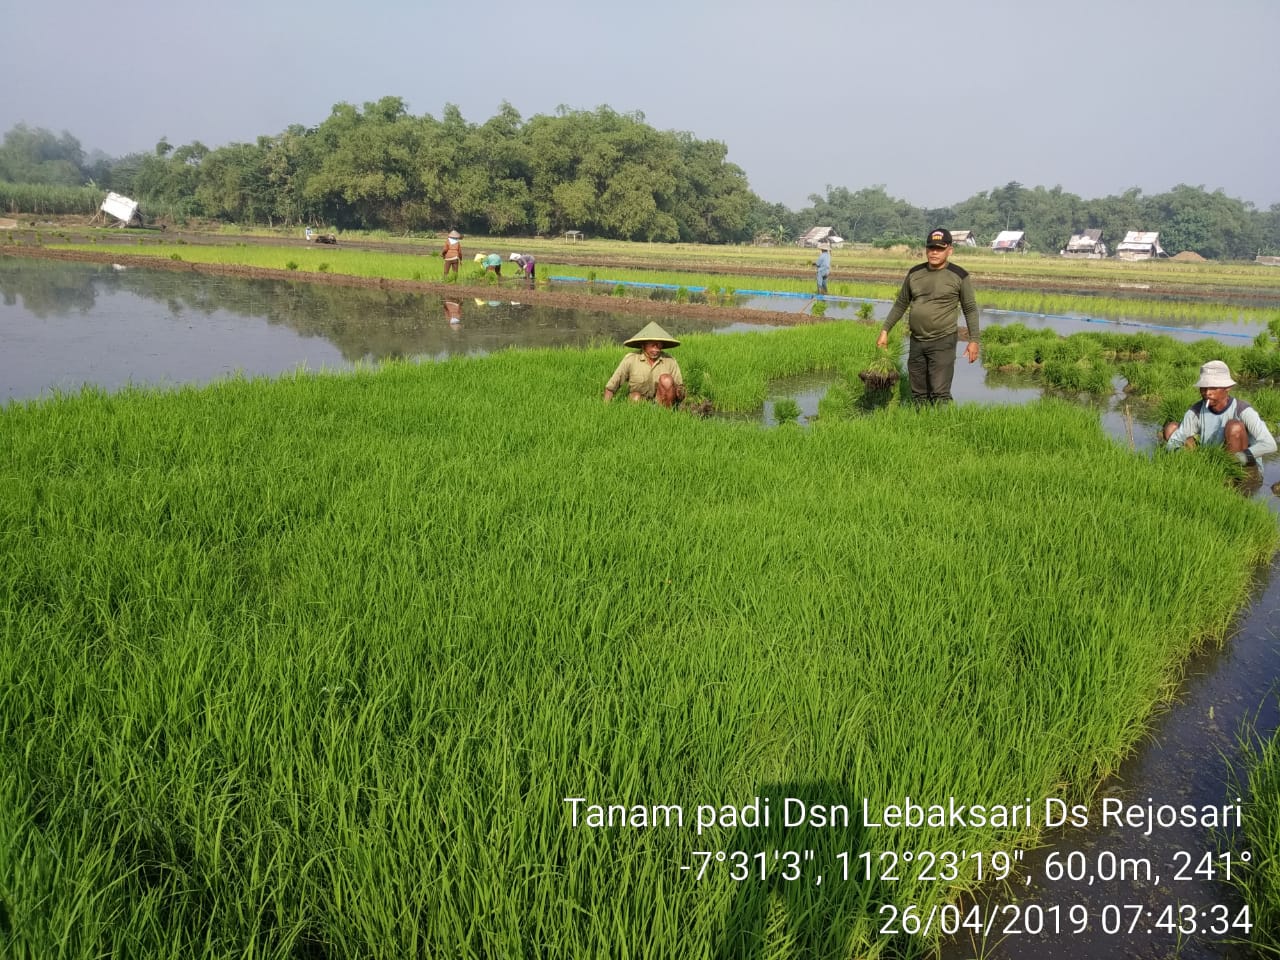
[
  {"x": 1085, "y": 240},
  {"x": 1140, "y": 238},
  {"x": 1007, "y": 238},
  {"x": 960, "y": 236},
  {"x": 816, "y": 233}
]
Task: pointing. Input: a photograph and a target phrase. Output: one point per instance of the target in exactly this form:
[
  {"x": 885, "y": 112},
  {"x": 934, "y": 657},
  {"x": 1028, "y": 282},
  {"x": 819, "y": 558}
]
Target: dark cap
[{"x": 938, "y": 238}]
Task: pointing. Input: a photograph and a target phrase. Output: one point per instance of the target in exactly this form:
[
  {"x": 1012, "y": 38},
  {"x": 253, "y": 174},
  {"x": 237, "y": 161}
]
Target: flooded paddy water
[{"x": 63, "y": 325}]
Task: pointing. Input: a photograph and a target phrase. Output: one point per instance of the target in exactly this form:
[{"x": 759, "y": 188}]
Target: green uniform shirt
[
  {"x": 641, "y": 376},
  {"x": 935, "y": 298}
]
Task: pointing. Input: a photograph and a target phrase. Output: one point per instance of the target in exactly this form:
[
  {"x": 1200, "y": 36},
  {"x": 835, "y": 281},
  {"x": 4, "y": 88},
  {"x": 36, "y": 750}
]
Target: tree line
[{"x": 606, "y": 173}]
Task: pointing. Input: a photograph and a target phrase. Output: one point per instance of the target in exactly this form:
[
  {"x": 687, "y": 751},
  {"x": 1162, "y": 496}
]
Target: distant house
[
  {"x": 1085, "y": 245},
  {"x": 820, "y": 236},
  {"x": 1138, "y": 245},
  {"x": 963, "y": 238},
  {"x": 1010, "y": 241}
]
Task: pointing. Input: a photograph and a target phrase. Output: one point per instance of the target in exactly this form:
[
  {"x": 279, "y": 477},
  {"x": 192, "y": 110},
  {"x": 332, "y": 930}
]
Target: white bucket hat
[{"x": 1215, "y": 374}]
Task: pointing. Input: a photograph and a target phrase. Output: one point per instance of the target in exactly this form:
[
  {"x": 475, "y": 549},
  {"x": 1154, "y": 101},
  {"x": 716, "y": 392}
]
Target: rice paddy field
[
  {"x": 718, "y": 279},
  {"x": 454, "y": 660},
  {"x": 700, "y": 259}
]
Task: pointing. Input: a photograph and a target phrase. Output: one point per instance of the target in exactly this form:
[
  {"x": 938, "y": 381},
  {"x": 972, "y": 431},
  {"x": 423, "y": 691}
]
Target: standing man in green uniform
[{"x": 935, "y": 292}]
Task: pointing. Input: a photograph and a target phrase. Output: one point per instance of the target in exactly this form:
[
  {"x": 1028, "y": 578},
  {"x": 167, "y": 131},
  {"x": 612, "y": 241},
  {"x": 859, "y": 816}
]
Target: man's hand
[
  {"x": 882, "y": 341},
  {"x": 971, "y": 351}
]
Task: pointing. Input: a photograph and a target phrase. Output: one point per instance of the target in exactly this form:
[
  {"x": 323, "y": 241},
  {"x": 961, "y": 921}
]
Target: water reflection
[{"x": 63, "y": 325}]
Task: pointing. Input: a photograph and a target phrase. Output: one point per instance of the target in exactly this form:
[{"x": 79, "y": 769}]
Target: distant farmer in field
[
  {"x": 526, "y": 264},
  {"x": 649, "y": 372},
  {"x": 493, "y": 264},
  {"x": 1219, "y": 419},
  {"x": 935, "y": 292},
  {"x": 823, "y": 264},
  {"x": 452, "y": 254}
]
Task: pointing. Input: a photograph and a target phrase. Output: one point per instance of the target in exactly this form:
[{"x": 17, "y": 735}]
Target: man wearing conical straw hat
[{"x": 650, "y": 373}]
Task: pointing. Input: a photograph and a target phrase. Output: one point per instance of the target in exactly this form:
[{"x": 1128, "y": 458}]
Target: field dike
[{"x": 454, "y": 660}]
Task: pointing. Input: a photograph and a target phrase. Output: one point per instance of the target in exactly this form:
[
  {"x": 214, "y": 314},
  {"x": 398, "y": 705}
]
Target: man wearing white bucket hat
[
  {"x": 650, "y": 373},
  {"x": 1221, "y": 419}
]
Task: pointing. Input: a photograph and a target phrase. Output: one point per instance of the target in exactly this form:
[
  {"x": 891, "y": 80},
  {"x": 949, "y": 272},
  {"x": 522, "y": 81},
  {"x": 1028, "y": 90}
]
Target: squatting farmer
[{"x": 650, "y": 373}]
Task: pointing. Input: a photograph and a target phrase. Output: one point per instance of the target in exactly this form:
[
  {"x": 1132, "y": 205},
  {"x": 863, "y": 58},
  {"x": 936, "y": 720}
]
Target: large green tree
[{"x": 35, "y": 155}]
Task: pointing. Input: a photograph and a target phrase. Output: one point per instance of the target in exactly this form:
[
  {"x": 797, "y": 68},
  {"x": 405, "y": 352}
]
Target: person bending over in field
[
  {"x": 526, "y": 264},
  {"x": 1220, "y": 419},
  {"x": 650, "y": 373}
]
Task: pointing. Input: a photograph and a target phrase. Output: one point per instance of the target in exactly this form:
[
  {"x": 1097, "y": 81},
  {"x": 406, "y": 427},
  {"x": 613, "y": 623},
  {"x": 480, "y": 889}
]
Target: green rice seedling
[
  {"x": 620, "y": 290},
  {"x": 291, "y": 265},
  {"x": 786, "y": 410},
  {"x": 866, "y": 311},
  {"x": 819, "y": 308},
  {"x": 882, "y": 372},
  {"x": 1150, "y": 380},
  {"x": 998, "y": 356},
  {"x": 837, "y": 403},
  {"x": 697, "y": 380},
  {"x": 1266, "y": 400},
  {"x": 323, "y": 267},
  {"x": 1259, "y": 779}
]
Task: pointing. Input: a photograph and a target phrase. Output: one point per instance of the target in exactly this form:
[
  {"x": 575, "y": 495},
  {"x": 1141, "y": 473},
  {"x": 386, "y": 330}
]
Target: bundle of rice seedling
[{"x": 881, "y": 373}]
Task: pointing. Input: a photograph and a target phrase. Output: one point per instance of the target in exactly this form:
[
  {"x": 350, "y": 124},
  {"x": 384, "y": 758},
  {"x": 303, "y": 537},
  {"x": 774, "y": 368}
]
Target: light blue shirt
[{"x": 1209, "y": 428}]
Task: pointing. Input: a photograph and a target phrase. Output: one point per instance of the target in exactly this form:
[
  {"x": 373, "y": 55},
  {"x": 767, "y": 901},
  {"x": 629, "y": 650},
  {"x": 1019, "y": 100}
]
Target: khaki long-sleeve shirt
[{"x": 642, "y": 376}]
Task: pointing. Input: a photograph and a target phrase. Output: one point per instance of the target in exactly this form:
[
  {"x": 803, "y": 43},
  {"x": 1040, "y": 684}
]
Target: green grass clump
[
  {"x": 1260, "y": 883},
  {"x": 308, "y": 667},
  {"x": 786, "y": 410}
]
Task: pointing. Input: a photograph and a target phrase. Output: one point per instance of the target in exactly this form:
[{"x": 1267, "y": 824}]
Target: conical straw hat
[{"x": 652, "y": 332}]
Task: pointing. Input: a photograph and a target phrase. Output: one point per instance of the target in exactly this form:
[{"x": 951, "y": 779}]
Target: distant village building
[
  {"x": 819, "y": 237},
  {"x": 963, "y": 238},
  {"x": 1267, "y": 261},
  {"x": 1085, "y": 245},
  {"x": 1140, "y": 245},
  {"x": 1010, "y": 241}
]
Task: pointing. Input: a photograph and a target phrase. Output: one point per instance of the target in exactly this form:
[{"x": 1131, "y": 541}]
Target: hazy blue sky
[{"x": 934, "y": 100}]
